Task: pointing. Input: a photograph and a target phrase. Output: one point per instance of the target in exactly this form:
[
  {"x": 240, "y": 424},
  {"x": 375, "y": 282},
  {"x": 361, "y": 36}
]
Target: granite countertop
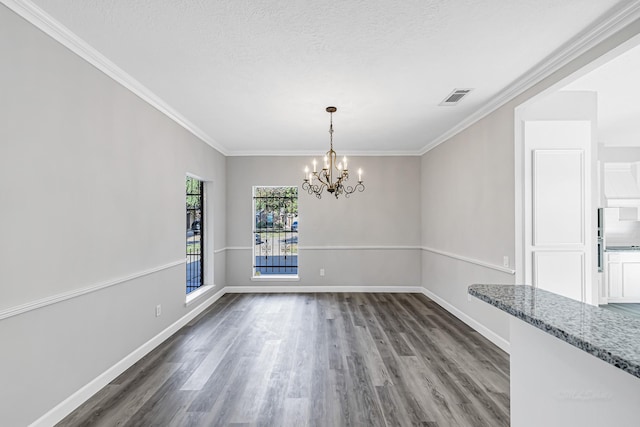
[
  {"x": 622, "y": 249},
  {"x": 612, "y": 337}
]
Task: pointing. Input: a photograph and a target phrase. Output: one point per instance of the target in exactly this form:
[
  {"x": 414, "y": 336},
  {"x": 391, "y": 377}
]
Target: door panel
[
  {"x": 561, "y": 272},
  {"x": 558, "y": 183},
  {"x": 558, "y": 249}
]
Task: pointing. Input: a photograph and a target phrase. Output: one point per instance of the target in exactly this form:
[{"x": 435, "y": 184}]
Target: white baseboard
[
  {"x": 320, "y": 289},
  {"x": 68, "y": 405},
  {"x": 480, "y": 328}
]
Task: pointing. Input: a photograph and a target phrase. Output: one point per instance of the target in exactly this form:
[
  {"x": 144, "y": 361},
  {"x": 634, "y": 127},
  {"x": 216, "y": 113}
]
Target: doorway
[{"x": 585, "y": 96}]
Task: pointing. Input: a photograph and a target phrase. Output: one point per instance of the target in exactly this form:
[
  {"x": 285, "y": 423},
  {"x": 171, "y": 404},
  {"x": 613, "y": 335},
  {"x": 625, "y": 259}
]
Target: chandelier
[{"x": 315, "y": 182}]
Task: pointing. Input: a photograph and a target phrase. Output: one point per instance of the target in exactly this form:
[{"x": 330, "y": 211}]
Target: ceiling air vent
[{"x": 455, "y": 97}]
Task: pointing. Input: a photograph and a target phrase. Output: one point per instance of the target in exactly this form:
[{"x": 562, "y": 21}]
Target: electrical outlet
[
  {"x": 505, "y": 261},
  {"x": 322, "y": 272},
  {"x": 158, "y": 310}
]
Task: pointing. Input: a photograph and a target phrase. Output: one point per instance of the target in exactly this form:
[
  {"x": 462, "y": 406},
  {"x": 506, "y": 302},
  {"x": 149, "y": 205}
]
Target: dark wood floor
[{"x": 312, "y": 359}]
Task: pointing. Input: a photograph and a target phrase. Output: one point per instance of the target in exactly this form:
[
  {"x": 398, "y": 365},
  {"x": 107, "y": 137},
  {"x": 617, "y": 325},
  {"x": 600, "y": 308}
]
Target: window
[
  {"x": 195, "y": 233},
  {"x": 275, "y": 231}
]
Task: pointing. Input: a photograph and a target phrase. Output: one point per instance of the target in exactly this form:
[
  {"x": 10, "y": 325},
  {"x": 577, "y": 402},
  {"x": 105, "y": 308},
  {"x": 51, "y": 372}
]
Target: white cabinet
[
  {"x": 623, "y": 276},
  {"x": 622, "y": 184}
]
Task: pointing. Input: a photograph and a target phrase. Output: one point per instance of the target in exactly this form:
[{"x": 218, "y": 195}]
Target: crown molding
[
  {"x": 587, "y": 39},
  {"x": 56, "y": 30},
  {"x": 593, "y": 35},
  {"x": 46, "y": 23},
  {"x": 319, "y": 153}
]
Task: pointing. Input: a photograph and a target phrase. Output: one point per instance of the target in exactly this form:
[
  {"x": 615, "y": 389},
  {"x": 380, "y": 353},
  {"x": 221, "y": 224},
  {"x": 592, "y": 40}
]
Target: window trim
[
  {"x": 208, "y": 231},
  {"x": 197, "y": 293},
  {"x": 277, "y": 277},
  {"x": 270, "y": 277}
]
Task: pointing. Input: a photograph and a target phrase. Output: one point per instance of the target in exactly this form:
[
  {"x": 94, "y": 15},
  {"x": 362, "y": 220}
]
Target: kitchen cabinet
[
  {"x": 623, "y": 276},
  {"x": 622, "y": 185}
]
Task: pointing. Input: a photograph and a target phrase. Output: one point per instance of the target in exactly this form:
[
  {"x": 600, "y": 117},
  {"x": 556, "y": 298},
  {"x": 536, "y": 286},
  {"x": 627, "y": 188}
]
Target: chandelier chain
[
  {"x": 315, "y": 182},
  {"x": 331, "y": 130}
]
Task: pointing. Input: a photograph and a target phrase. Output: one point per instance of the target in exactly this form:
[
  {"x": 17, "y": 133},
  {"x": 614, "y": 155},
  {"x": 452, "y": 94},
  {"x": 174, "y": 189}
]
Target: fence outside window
[
  {"x": 275, "y": 231},
  {"x": 195, "y": 238}
]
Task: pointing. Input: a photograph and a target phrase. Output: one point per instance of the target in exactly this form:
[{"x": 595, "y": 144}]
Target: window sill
[
  {"x": 275, "y": 278},
  {"x": 194, "y": 295}
]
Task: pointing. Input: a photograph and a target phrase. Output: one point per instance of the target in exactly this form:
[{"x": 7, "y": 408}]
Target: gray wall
[
  {"x": 468, "y": 210},
  {"x": 468, "y": 201},
  {"x": 92, "y": 191},
  {"x": 385, "y": 219}
]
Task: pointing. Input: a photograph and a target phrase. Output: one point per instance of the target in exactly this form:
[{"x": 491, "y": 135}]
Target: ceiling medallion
[{"x": 315, "y": 182}]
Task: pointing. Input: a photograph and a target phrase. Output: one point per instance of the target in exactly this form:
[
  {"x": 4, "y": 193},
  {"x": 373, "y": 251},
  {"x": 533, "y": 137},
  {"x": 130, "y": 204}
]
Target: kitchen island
[{"x": 571, "y": 363}]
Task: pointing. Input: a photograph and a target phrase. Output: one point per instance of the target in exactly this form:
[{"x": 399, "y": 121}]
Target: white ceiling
[
  {"x": 255, "y": 76},
  {"x": 618, "y": 87}
]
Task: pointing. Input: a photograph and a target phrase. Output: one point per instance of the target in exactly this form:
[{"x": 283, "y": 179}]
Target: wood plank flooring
[{"x": 312, "y": 360}]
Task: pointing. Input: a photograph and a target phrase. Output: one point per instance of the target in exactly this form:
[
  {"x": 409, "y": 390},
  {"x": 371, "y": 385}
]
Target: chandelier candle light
[{"x": 324, "y": 178}]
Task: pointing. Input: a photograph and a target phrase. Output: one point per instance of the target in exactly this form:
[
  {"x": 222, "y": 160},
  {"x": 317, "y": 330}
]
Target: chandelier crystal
[{"x": 316, "y": 181}]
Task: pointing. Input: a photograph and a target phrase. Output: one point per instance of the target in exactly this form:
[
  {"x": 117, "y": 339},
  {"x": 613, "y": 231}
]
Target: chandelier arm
[
  {"x": 324, "y": 178},
  {"x": 313, "y": 188}
]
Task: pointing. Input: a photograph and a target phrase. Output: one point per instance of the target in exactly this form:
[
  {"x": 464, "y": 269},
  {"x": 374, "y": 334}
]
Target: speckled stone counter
[{"x": 611, "y": 337}]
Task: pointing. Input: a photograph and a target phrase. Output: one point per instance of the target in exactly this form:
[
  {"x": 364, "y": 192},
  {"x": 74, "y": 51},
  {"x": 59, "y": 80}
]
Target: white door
[{"x": 558, "y": 248}]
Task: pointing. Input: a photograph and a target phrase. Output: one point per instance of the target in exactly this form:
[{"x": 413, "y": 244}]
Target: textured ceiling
[{"x": 256, "y": 76}]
